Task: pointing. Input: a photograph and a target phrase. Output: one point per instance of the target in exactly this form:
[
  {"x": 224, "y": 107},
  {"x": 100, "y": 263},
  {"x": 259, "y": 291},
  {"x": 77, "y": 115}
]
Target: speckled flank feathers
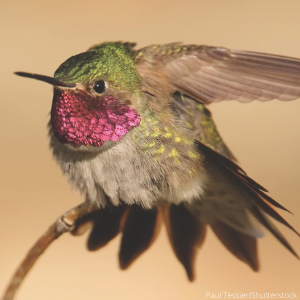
[{"x": 164, "y": 143}]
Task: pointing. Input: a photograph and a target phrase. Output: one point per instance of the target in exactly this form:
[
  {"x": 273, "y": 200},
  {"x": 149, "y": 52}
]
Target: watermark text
[{"x": 252, "y": 295}]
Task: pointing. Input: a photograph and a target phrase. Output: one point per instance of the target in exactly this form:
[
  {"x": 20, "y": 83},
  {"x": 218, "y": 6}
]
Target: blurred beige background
[{"x": 37, "y": 36}]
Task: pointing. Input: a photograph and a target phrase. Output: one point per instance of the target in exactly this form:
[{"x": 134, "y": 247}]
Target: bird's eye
[{"x": 99, "y": 86}]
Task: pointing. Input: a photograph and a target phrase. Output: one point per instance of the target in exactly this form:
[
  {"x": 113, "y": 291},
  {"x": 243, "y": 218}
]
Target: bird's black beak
[{"x": 51, "y": 80}]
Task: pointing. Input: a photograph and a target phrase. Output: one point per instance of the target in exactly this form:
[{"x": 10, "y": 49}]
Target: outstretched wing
[{"x": 212, "y": 74}]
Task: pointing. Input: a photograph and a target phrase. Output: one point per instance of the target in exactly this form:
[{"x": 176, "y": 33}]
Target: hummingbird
[{"x": 132, "y": 131}]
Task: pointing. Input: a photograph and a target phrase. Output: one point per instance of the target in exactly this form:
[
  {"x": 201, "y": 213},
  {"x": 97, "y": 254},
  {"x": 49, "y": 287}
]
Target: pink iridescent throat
[{"x": 77, "y": 118}]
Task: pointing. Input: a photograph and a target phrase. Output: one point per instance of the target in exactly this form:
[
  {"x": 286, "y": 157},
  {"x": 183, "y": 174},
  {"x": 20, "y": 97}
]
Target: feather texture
[
  {"x": 139, "y": 232},
  {"x": 242, "y": 246},
  {"x": 211, "y": 74},
  {"x": 186, "y": 234}
]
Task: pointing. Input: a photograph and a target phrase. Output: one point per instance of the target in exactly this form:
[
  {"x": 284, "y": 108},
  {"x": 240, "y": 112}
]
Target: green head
[{"x": 111, "y": 62}]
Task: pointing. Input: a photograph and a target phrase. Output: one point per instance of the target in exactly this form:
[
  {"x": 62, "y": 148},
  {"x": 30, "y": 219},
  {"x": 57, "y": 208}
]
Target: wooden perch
[{"x": 65, "y": 223}]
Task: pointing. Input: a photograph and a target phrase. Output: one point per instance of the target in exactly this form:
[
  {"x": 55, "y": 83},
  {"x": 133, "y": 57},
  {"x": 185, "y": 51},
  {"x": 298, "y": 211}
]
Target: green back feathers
[{"x": 112, "y": 62}]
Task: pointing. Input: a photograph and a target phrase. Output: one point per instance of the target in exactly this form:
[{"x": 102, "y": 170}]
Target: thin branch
[{"x": 65, "y": 223}]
